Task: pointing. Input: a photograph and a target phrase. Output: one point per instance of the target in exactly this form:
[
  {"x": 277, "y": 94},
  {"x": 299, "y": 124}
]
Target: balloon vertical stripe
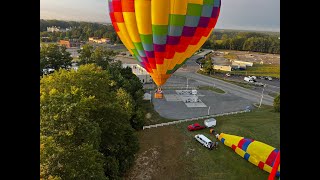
[{"x": 163, "y": 34}]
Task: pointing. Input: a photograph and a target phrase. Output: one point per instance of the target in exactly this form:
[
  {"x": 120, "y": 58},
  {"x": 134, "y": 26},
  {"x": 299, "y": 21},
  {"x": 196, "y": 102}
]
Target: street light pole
[
  {"x": 262, "y": 95},
  {"x": 208, "y": 110},
  {"x": 187, "y": 83}
]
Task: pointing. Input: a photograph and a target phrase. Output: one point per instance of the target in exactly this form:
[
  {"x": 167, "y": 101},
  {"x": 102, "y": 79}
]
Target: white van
[
  {"x": 204, "y": 141},
  {"x": 248, "y": 79}
]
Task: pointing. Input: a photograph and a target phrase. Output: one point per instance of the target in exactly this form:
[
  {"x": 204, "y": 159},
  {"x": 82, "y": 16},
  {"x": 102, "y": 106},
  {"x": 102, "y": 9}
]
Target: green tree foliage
[
  {"x": 208, "y": 65},
  {"x": 99, "y": 56},
  {"x": 54, "y": 56},
  {"x": 276, "y": 103},
  {"x": 244, "y": 41},
  {"x": 85, "y": 120}
]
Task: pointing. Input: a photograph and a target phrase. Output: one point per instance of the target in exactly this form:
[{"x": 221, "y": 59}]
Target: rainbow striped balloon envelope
[
  {"x": 258, "y": 153},
  {"x": 163, "y": 34}
]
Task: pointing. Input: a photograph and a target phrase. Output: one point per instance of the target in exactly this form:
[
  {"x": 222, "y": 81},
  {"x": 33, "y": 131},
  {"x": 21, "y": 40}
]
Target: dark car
[{"x": 195, "y": 126}]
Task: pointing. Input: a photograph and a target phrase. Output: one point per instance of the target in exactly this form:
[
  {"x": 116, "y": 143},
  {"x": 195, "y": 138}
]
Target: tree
[
  {"x": 74, "y": 162},
  {"x": 85, "y": 54},
  {"x": 276, "y": 103},
  {"x": 208, "y": 65},
  {"x": 99, "y": 56},
  {"x": 54, "y": 56},
  {"x": 85, "y": 131}
]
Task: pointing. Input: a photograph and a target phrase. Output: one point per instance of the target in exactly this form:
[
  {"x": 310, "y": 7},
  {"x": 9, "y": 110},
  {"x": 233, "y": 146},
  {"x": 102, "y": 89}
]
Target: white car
[
  {"x": 258, "y": 84},
  {"x": 248, "y": 79},
  {"x": 252, "y": 77},
  {"x": 204, "y": 141}
]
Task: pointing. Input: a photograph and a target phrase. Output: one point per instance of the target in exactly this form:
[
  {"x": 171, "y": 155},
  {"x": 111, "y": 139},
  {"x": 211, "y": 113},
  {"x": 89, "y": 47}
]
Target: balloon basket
[{"x": 158, "y": 95}]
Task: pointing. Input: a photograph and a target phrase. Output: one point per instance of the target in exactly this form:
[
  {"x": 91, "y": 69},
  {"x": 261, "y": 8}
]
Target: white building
[
  {"x": 222, "y": 67},
  {"x": 57, "y": 29},
  {"x": 241, "y": 63},
  {"x": 140, "y": 72}
]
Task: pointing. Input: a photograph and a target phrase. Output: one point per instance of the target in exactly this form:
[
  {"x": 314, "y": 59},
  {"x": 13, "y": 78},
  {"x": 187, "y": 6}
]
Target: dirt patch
[
  {"x": 161, "y": 156},
  {"x": 256, "y": 57},
  {"x": 146, "y": 164}
]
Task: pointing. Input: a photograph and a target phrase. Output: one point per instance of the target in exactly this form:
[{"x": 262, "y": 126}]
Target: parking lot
[{"x": 218, "y": 103}]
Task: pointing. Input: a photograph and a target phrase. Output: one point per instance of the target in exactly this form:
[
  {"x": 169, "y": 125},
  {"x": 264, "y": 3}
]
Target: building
[
  {"x": 72, "y": 43},
  {"x": 235, "y": 66},
  {"x": 140, "y": 72},
  {"x": 250, "y": 64},
  {"x": 100, "y": 41},
  {"x": 242, "y": 65},
  {"x": 222, "y": 67},
  {"x": 57, "y": 29}
]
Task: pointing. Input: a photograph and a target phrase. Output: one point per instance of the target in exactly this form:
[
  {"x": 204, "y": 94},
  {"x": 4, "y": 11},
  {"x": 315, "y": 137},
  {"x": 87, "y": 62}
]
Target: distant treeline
[
  {"x": 80, "y": 30},
  {"x": 244, "y": 41},
  {"x": 266, "y": 42}
]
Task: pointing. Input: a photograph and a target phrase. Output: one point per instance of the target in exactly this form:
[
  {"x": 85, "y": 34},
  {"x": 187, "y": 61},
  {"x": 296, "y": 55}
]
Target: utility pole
[
  {"x": 187, "y": 83},
  {"x": 262, "y": 95}
]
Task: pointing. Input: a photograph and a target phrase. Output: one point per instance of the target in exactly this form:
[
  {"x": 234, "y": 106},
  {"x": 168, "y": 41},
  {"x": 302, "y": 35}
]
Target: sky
[{"x": 260, "y": 15}]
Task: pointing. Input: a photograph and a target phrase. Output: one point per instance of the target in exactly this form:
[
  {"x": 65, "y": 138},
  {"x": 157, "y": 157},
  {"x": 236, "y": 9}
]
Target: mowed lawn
[
  {"x": 272, "y": 70},
  {"x": 262, "y": 125},
  {"x": 187, "y": 158}
]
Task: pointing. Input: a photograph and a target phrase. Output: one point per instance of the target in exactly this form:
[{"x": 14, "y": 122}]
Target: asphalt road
[
  {"x": 189, "y": 71},
  {"x": 231, "y": 88}
]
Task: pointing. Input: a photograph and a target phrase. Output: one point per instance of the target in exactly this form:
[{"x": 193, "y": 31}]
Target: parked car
[
  {"x": 269, "y": 78},
  {"x": 204, "y": 141},
  {"x": 262, "y": 77},
  {"x": 258, "y": 84},
  {"x": 253, "y": 77},
  {"x": 248, "y": 79},
  {"x": 195, "y": 126}
]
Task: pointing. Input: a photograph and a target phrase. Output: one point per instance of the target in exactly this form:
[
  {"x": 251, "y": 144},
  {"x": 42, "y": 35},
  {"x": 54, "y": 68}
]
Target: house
[
  {"x": 140, "y": 72},
  {"x": 100, "y": 41},
  {"x": 70, "y": 43}
]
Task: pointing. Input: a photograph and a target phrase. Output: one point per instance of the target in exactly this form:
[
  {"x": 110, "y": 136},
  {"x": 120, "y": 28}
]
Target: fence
[{"x": 192, "y": 119}]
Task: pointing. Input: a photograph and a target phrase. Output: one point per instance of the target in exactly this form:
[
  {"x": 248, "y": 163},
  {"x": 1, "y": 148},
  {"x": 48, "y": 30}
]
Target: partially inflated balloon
[{"x": 163, "y": 34}]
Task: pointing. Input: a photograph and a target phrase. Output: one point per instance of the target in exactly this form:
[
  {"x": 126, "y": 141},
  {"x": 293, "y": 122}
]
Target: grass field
[
  {"x": 272, "y": 70},
  {"x": 171, "y": 152},
  {"x": 210, "y": 88},
  {"x": 152, "y": 117},
  {"x": 262, "y": 125}
]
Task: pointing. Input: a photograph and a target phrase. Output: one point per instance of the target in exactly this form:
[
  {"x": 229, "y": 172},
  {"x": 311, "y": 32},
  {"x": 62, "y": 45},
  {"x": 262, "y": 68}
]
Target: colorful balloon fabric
[
  {"x": 258, "y": 153},
  {"x": 163, "y": 34}
]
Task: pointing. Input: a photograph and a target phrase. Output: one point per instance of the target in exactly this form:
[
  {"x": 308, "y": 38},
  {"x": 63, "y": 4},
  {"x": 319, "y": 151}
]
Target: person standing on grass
[{"x": 216, "y": 145}]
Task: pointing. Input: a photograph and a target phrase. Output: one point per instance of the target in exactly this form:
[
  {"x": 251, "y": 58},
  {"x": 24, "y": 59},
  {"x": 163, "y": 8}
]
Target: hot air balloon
[
  {"x": 260, "y": 154},
  {"x": 163, "y": 34}
]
